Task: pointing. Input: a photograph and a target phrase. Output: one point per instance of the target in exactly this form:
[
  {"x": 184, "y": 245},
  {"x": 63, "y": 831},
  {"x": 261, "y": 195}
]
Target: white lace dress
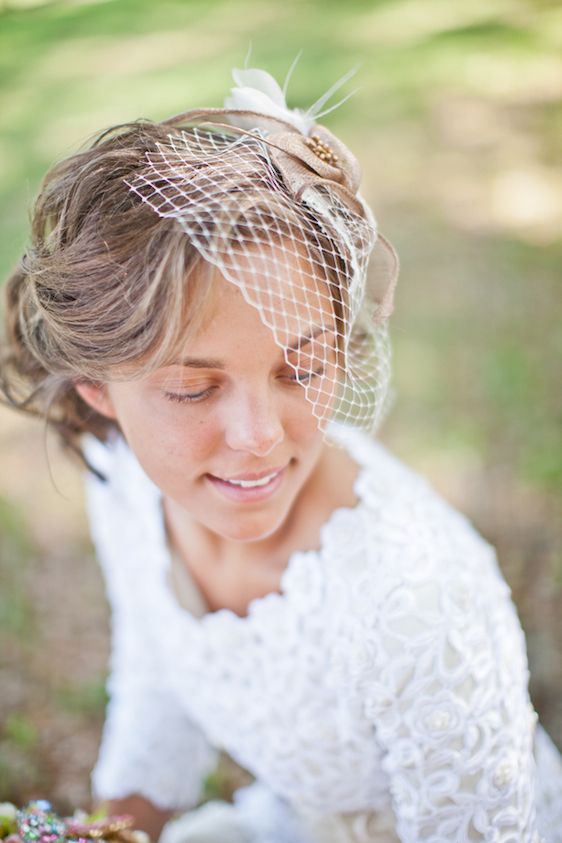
[{"x": 381, "y": 696}]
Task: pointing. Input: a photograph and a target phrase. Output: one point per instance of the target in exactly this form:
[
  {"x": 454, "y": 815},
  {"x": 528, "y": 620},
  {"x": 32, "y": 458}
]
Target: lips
[
  {"x": 248, "y": 494},
  {"x": 256, "y": 475}
]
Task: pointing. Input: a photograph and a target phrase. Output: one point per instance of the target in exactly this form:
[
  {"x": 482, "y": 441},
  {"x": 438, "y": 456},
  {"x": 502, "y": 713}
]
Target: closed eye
[
  {"x": 188, "y": 397},
  {"x": 305, "y": 377},
  {"x": 296, "y": 378}
]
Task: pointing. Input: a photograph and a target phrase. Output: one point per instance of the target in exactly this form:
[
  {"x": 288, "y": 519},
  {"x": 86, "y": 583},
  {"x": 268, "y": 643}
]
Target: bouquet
[{"x": 37, "y": 822}]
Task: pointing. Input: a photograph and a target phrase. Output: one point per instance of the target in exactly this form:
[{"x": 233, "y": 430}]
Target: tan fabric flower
[
  {"x": 291, "y": 153},
  {"x": 300, "y": 167},
  {"x": 275, "y": 206}
]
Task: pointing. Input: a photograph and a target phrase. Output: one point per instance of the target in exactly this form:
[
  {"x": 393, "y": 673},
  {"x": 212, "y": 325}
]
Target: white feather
[
  {"x": 315, "y": 109},
  {"x": 257, "y": 90},
  {"x": 262, "y": 81}
]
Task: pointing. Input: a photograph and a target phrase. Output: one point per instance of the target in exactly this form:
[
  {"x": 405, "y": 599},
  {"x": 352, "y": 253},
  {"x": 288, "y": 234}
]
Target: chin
[{"x": 251, "y": 532}]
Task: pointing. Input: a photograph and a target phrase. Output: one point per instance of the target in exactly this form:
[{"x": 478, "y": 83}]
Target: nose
[{"x": 253, "y": 424}]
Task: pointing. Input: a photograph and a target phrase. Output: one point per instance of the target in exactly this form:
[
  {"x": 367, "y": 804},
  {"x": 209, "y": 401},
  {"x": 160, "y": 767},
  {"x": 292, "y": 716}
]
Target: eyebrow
[{"x": 213, "y": 363}]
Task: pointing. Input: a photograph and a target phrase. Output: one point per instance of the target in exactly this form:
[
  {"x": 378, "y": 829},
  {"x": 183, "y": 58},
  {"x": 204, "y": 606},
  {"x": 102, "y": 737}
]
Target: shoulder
[
  {"x": 120, "y": 499},
  {"x": 401, "y": 518},
  {"x": 412, "y": 582},
  {"x": 407, "y": 567},
  {"x": 112, "y": 461},
  {"x": 117, "y": 479}
]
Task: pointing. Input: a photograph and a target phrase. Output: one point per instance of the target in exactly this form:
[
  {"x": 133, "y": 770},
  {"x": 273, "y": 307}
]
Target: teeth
[{"x": 248, "y": 484}]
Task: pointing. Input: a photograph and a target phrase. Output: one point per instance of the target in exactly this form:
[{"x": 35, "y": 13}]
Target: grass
[
  {"x": 68, "y": 69},
  {"x": 16, "y": 616},
  {"x": 85, "y": 698},
  {"x": 456, "y": 121}
]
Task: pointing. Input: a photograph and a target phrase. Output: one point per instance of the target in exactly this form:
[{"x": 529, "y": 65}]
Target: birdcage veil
[{"x": 270, "y": 198}]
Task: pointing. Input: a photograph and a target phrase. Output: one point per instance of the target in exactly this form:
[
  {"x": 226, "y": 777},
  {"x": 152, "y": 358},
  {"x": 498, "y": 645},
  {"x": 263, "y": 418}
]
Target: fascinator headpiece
[{"x": 270, "y": 198}]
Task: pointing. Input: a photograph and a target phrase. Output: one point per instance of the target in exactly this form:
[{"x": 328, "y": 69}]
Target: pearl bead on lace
[
  {"x": 438, "y": 720},
  {"x": 504, "y": 774}
]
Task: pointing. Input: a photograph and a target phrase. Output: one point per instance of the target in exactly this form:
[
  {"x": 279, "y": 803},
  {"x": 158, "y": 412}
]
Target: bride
[{"x": 203, "y": 315}]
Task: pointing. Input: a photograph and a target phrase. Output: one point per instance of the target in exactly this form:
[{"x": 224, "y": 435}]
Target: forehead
[{"x": 285, "y": 286}]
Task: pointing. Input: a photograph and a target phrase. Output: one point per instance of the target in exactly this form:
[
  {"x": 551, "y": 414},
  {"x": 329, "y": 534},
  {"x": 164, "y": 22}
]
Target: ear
[{"x": 96, "y": 396}]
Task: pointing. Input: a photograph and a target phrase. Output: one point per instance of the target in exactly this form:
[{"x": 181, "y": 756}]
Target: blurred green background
[{"x": 457, "y": 121}]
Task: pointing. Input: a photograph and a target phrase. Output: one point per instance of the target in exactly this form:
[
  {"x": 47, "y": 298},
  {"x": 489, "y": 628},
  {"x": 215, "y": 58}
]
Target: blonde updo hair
[
  {"x": 102, "y": 284},
  {"x": 105, "y": 282}
]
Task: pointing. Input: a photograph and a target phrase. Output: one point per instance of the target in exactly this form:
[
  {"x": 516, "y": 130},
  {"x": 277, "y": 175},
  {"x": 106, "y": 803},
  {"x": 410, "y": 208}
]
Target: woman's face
[{"x": 231, "y": 409}]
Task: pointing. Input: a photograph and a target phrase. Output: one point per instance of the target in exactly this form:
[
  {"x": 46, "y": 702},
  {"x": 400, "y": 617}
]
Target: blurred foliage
[
  {"x": 89, "y": 697},
  {"x": 20, "y": 762},
  {"x": 456, "y": 119},
  {"x": 19, "y": 729},
  {"x": 16, "y": 617}
]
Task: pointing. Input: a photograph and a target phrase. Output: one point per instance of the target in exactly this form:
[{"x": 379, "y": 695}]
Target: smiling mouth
[
  {"x": 249, "y": 490},
  {"x": 251, "y": 477},
  {"x": 252, "y": 484}
]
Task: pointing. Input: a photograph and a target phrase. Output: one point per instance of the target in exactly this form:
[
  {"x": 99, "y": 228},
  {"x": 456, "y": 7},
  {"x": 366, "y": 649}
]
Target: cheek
[
  {"x": 317, "y": 408},
  {"x": 303, "y": 430},
  {"x": 184, "y": 447},
  {"x": 168, "y": 441}
]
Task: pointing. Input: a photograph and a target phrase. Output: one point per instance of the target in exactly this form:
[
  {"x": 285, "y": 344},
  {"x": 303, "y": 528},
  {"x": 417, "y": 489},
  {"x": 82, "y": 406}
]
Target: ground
[{"x": 456, "y": 122}]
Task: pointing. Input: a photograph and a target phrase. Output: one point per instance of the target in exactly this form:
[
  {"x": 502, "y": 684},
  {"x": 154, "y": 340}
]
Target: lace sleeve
[
  {"x": 446, "y": 692},
  {"x": 149, "y": 744}
]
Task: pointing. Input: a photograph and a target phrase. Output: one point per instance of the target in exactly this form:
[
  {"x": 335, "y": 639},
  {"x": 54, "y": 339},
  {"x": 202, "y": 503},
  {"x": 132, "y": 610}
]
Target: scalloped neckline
[{"x": 293, "y": 561}]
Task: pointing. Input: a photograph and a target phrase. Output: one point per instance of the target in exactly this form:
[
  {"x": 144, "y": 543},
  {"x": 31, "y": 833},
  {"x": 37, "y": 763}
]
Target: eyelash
[{"x": 193, "y": 398}]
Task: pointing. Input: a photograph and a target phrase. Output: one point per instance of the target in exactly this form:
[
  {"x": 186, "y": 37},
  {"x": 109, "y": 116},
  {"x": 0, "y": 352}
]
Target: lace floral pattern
[{"x": 382, "y": 695}]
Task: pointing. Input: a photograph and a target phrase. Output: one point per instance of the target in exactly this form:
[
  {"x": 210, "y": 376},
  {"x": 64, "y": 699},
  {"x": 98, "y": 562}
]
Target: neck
[
  {"x": 330, "y": 485},
  {"x": 196, "y": 541}
]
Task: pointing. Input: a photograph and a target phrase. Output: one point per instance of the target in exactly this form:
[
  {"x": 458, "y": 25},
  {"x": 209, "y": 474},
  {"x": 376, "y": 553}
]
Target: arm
[
  {"x": 450, "y": 707},
  {"x": 150, "y": 748}
]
